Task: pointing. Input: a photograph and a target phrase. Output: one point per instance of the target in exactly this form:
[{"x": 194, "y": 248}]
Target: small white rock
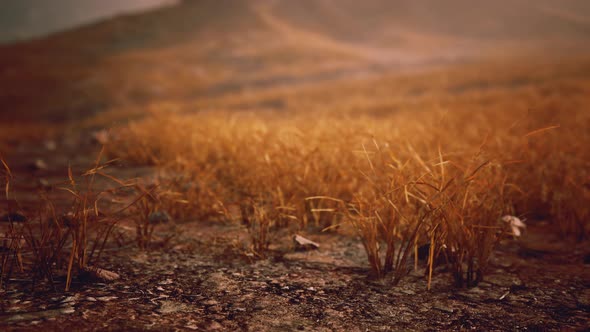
[{"x": 304, "y": 244}]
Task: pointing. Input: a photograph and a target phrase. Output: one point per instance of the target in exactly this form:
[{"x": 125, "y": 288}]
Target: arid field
[{"x": 312, "y": 165}]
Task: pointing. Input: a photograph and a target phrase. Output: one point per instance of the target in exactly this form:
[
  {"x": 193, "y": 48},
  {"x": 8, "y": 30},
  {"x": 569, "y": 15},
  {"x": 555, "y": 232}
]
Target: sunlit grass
[{"x": 439, "y": 157}]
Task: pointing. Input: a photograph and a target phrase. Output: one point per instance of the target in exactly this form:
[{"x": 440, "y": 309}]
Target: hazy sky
[{"x": 21, "y": 19}]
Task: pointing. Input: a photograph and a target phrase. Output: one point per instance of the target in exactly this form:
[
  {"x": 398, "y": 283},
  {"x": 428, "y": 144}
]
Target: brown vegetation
[{"x": 435, "y": 159}]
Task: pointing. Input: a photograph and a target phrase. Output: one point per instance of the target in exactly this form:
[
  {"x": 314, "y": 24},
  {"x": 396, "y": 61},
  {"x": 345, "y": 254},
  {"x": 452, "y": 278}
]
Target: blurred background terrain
[
  {"x": 24, "y": 19},
  {"x": 216, "y": 48}
]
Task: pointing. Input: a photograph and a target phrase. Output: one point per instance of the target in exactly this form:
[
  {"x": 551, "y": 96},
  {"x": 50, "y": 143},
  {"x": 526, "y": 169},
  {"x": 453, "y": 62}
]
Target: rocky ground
[{"x": 204, "y": 284}]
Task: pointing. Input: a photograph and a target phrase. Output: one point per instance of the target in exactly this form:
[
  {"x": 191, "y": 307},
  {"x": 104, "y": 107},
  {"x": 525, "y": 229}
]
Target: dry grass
[
  {"x": 433, "y": 158},
  {"x": 262, "y": 130},
  {"x": 436, "y": 158},
  {"x": 60, "y": 240}
]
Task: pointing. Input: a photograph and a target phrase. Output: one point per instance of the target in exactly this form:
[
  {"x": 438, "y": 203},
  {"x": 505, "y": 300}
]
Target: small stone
[
  {"x": 303, "y": 244},
  {"x": 13, "y": 217},
  {"x": 166, "y": 282},
  {"x": 39, "y": 165},
  {"x": 214, "y": 309},
  {"x": 211, "y": 302},
  {"x": 101, "y": 137},
  {"x": 444, "y": 308},
  {"x": 476, "y": 290},
  {"x": 101, "y": 274},
  {"x": 68, "y": 310},
  {"x": 69, "y": 299},
  {"x": 106, "y": 298},
  {"x": 192, "y": 326},
  {"x": 408, "y": 292},
  {"x": 50, "y": 145},
  {"x": 515, "y": 225},
  {"x": 159, "y": 217},
  {"x": 214, "y": 326},
  {"x": 43, "y": 183},
  {"x": 167, "y": 307}
]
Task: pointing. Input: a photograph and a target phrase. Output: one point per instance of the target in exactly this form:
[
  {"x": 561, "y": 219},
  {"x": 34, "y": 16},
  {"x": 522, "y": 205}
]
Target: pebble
[
  {"x": 106, "y": 298},
  {"x": 50, "y": 145},
  {"x": 303, "y": 244},
  {"x": 69, "y": 299},
  {"x": 407, "y": 292},
  {"x": 166, "y": 282},
  {"x": 214, "y": 308},
  {"x": 214, "y": 326},
  {"x": 101, "y": 274},
  {"x": 159, "y": 217},
  {"x": 100, "y": 137},
  {"x": 43, "y": 183},
  {"x": 39, "y": 165},
  {"x": 68, "y": 310},
  {"x": 444, "y": 308},
  {"x": 14, "y": 217},
  {"x": 168, "y": 307},
  {"x": 211, "y": 302}
]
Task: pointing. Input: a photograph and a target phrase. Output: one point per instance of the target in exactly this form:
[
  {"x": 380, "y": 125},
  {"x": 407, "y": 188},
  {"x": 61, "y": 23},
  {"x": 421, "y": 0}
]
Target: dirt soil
[{"x": 202, "y": 280}]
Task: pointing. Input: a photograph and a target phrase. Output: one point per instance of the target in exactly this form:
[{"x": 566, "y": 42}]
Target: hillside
[{"x": 218, "y": 47}]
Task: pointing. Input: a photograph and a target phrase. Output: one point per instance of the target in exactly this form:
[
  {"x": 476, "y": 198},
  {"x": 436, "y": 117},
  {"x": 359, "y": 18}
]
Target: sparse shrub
[
  {"x": 70, "y": 240},
  {"x": 259, "y": 221}
]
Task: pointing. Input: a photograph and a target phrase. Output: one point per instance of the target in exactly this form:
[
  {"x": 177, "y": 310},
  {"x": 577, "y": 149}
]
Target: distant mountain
[
  {"x": 203, "y": 48},
  {"x": 22, "y": 19}
]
